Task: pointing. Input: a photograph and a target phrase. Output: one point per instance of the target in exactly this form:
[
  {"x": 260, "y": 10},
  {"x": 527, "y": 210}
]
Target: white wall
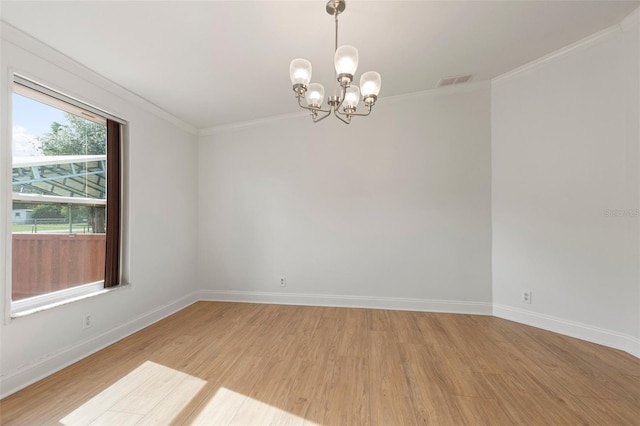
[
  {"x": 161, "y": 225},
  {"x": 391, "y": 211},
  {"x": 565, "y": 140}
]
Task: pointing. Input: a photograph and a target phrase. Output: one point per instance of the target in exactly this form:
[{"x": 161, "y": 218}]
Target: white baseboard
[
  {"x": 391, "y": 303},
  {"x": 601, "y": 336},
  {"x": 23, "y": 377}
]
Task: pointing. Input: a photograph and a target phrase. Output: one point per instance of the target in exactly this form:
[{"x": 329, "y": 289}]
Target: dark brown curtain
[{"x": 112, "y": 257}]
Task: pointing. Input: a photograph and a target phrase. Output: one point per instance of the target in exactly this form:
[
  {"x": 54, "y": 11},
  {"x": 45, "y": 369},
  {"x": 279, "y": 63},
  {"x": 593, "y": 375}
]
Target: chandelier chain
[{"x": 335, "y": 16}]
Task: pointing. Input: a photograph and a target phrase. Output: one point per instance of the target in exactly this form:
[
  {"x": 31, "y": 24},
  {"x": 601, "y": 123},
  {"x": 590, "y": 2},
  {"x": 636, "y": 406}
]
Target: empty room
[{"x": 323, "y": 213}]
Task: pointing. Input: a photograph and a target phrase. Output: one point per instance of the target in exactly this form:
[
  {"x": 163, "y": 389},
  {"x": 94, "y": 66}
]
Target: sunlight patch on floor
[
  {"x": 150, "y": 394},
  {"x": 227, "y": 407}
]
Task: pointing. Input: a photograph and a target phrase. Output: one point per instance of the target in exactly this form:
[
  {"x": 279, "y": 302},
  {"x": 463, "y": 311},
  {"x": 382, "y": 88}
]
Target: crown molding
[
  {"x": 22, "y": 40},
  {"x": 439, "y": 91},
  {"x": 573, "y": 47},
  {"x": 631, "y": 21},
  {"x": 224, "y": 128}
]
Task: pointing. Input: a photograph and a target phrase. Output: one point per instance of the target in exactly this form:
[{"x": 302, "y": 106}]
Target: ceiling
[{"x": 212, "y": 63}]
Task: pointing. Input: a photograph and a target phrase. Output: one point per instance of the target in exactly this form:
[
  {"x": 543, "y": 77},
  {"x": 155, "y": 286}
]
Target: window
[{"x": 66, "y": 189}]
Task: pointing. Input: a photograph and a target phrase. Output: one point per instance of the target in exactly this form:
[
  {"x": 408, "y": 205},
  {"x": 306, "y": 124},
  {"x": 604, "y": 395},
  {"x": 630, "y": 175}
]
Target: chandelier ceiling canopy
[{"x": 346, "y": 96}]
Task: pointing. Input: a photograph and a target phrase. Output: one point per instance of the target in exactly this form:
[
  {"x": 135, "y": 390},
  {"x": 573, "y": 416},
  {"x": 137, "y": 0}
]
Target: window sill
[{"x": 23, "y": 311}]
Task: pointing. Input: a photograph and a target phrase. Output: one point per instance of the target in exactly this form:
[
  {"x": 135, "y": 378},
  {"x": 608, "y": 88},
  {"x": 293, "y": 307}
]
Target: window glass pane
[{"x": 59, "y": 196}]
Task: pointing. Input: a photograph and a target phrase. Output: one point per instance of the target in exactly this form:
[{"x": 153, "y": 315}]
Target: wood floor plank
[
  {"x": 528, "y": 400},
  {"x": 598, "y": 411},
  {"x": 269, "y": 393},
  {"x": 309, "y": 388},
  {"x": 350, "y": 388},
  {"x": 404, "y": 326},
  {"x": 224, "y": 395},
  {"x": 239, "y": 363},
  {"x": 390, "y": 393},
  {"x": 480, "y": 411},
  {"x": 172, "y": 405},
  {"x": 161, "y": 383},
  {"x": 139, "y": 378},
  {"x": 353, "y": 338},
  {"x": 427, "y": 387},
  {"x": 110, "y": 418}
]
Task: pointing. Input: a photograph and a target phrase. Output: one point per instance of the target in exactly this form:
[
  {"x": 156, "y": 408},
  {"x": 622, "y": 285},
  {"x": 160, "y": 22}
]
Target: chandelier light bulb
[
  {"x": 352, "y": 97},
  {"x": 370, "y": 84},
  {"x": 346, "y": 60},
  {"x": 300, "y": 71},
  {"x": 315, "y": 94}
]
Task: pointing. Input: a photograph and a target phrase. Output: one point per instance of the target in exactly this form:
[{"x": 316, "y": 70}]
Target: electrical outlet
[
  {"x": 526, "y": 296},
  {"x": 88, "y": 321},
  {"x": 283, "y": 281}
]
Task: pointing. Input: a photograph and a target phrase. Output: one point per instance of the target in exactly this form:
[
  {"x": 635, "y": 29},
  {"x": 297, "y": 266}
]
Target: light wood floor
[{"x": 232, "y": 363}]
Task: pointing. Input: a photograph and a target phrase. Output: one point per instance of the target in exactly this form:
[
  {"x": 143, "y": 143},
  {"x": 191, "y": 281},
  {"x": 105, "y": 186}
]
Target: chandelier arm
[
  {"x": 312, "y": 109},
  {"x": 353, "y": 114},
  {"x": 316, "y": 119},
  {"x": 336, "y": 112},
  {"x": 343, "y": 113}
]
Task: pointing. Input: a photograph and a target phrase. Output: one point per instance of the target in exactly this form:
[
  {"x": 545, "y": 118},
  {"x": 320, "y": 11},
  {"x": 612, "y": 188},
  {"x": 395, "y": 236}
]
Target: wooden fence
[{"x": 43, "y": 263}]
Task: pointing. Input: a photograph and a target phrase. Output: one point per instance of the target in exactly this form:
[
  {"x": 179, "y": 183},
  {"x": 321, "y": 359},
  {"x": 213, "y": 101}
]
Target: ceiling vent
[{"x": 456, "y": 79}]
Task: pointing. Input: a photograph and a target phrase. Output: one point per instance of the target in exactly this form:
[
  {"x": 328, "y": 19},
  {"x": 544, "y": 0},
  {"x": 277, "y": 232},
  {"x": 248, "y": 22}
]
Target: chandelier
[{"x": 345, "y": 99}]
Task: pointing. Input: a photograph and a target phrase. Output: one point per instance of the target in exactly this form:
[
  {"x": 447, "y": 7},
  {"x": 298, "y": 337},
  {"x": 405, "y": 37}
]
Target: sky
[{"x": 30, "y": 120}]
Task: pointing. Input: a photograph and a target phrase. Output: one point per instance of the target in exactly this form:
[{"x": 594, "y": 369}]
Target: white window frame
[{"x": 28, "y": 306}]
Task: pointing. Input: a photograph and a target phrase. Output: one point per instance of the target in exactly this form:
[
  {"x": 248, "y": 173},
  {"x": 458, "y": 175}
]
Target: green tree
[
  {"x": 78, "y": 137},
  {"x": 78, "y": 213},
  {"x": 47, "y": 211}
]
